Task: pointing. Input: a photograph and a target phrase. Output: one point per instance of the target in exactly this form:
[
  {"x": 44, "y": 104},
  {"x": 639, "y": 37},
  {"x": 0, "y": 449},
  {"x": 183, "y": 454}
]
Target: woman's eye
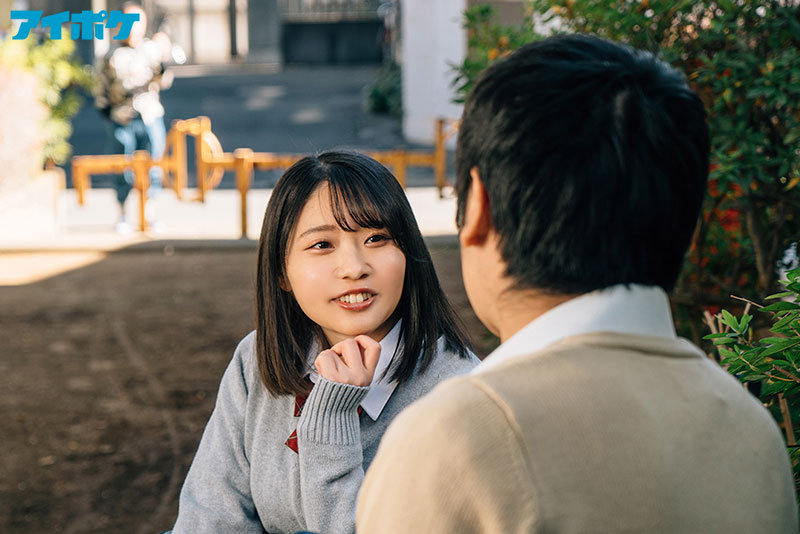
[
  {"x": 321, "y": 245},
  {"x": 377, "y": 238}
]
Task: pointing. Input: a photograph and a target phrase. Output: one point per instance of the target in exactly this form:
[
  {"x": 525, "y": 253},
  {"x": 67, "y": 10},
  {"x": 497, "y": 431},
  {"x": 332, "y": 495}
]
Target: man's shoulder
[
  {"x": 457, "y": 408},
  {"x": 441, "y": 458}
]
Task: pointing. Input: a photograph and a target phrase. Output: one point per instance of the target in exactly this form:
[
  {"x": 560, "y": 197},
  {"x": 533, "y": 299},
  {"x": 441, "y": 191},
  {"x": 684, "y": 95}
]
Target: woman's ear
[{"x": 477, "y": 216}]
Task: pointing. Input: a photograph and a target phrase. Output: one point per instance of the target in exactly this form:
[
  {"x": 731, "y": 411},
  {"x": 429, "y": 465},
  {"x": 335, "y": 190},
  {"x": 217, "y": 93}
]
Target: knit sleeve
[
  {"x": 216, "y": 494},
  {"x": 451, "y": 462},
  {"x": 330, "y": 456}
]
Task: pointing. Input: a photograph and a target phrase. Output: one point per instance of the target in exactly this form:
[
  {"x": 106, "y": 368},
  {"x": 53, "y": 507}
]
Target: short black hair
[
  {"x": 595, "y": 158},
  {"x": 364, "y": 192}
]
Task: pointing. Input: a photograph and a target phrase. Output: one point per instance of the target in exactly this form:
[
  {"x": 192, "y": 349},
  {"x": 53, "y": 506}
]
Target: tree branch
[
  {"x": 787, "y": 420},
  {"x": 759, "y": 248},
  {"x": 786, "y": 373}
]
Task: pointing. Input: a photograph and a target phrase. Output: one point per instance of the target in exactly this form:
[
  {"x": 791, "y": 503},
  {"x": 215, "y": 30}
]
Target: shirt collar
[
  {"x": 625, "y": 309},
  {"x": 382, "y": 387}
]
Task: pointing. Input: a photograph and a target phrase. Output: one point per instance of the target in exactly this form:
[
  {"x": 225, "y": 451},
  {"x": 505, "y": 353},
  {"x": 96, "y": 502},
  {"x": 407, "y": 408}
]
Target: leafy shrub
[
  {"x": 743, "y": 59},
  {"x": 385, "y": 95},
  {"x": 770, "y": 362},
  {"x": 60, "y": 77}
]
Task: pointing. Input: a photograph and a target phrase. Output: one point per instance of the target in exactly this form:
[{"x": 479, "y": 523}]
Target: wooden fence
[{"x": 212, "y": 162}]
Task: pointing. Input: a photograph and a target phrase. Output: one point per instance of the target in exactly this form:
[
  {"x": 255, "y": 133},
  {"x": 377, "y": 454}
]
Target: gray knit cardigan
[{"x": 244, "y": 478}]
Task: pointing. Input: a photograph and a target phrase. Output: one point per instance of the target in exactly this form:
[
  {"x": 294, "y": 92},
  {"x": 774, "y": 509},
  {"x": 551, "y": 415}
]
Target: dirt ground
[{"x": 108, "y": 374}]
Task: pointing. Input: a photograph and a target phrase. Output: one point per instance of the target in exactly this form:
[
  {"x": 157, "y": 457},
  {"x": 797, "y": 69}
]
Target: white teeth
[{"x": 354, "y": 298}]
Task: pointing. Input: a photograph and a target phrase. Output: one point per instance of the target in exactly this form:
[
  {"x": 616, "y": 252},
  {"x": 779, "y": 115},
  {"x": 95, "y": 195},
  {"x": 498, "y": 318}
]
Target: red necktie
[{"x": 299, "y": 402}]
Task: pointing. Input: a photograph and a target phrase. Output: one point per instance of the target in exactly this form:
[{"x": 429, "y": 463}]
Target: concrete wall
[
  {"x": 264, "y": 30},
  {"x": 432, "y": 40},
  {"x": 202, "y": 28}
]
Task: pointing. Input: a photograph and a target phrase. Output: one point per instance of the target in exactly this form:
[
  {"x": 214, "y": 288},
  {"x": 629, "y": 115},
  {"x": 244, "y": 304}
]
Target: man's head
[{"x": 591, "y": 159}]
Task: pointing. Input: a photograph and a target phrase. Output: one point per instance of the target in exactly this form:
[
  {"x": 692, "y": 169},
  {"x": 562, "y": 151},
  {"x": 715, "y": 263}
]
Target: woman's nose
[{"x": 352, "y": 265}]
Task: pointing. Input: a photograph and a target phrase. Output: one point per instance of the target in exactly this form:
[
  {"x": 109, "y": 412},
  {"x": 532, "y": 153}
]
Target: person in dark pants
[{"x": 130, "y": 79}]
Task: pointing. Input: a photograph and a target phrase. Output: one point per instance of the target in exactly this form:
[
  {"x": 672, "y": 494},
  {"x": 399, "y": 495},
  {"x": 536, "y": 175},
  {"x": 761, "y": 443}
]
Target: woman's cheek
[{"x": 398, "y": 266}]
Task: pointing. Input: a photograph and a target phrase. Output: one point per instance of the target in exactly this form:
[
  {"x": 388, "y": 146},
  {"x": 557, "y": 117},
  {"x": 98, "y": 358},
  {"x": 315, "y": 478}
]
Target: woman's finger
[
  {"x": 350, "y": 352},
  {"x": 327, "y": 363},
  {"x": 371, "y": 351}
]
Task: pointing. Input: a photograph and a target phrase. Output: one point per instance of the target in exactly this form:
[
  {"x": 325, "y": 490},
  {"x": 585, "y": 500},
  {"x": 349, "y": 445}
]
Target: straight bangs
[
  {"x": 350, "y": 203},
  {"x": 367, "y": 195}
]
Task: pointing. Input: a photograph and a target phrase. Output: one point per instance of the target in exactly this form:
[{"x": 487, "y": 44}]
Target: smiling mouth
[{"x": 355, "y": 298}]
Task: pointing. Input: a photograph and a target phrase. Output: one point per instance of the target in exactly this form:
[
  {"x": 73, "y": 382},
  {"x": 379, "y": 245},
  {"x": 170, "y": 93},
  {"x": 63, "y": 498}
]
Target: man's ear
[{"x": 477, "y": 216}]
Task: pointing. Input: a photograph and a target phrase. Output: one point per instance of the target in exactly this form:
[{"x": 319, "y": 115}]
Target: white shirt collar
[
  {"x": 633, "y": 309},
  {"x": 381, "y": 388}
]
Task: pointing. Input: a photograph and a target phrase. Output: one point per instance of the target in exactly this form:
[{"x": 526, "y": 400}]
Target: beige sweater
[{"x": 596, "y": 433}]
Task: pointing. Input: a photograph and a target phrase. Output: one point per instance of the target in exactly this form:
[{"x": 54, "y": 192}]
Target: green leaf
[
  {"x": 785, "y": 321},
  {"x": 765, "y": 341},
  {"x": 724, "y": 341},
  {"x": 716, "y": 336},
  {"x": 729, "y": 319},
  {"x": 727, "y": 353},
  {"x": 745, "y": 322},
  {"x": 781, "y": 306},
  {"x": 773, "y": 388},
  {"x": 781, "y": 295},
  {"x": 752, "y": 377},
  {"x": 780, "y": 347}
]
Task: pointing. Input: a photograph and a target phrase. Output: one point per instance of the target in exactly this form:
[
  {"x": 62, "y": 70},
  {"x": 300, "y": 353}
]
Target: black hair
[
  {"x": 363, "y": 192},
  {"x": 595, "y": 158}
]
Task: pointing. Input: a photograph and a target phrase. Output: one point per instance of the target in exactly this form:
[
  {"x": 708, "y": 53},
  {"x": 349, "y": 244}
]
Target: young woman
[{"x": 352, "y": 327}]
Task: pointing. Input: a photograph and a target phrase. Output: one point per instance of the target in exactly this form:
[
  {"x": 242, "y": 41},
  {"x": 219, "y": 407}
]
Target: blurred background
[{"x": 112, "y": 343}]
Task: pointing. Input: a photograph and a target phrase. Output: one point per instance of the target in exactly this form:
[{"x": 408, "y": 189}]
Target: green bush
[
  {"x": 385, "y": 95},
  {"x": 60, "y": 77},
  {"x": 771, "y": 361},
  {"x": 743, "y": 59}
]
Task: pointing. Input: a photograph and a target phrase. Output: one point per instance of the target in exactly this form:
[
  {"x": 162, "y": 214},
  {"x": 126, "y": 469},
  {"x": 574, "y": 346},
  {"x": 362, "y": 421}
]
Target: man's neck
[{"x": 516, "y": 308}]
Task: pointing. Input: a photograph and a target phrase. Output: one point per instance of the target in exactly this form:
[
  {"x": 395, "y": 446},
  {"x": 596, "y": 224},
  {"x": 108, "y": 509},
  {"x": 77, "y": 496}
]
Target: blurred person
[
  {"x": 131, "y": 76},
  {"x": 581, "y": 169},
  {"x": 352, "y": 326}
]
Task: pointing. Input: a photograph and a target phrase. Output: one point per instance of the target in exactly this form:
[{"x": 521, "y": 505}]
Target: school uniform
[
  {"x": 594, "y": 418},
  {"x": 287, "y": 463}
]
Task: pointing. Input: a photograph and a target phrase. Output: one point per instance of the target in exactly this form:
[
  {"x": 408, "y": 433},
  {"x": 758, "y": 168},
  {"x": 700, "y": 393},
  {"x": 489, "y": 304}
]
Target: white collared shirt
[
  {"x": 382, "y": 387},
  {"x": 633, "y": 309}
]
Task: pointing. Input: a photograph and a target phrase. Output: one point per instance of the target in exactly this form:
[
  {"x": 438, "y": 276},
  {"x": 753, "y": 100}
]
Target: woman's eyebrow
[{"x": 323, "y": 228}]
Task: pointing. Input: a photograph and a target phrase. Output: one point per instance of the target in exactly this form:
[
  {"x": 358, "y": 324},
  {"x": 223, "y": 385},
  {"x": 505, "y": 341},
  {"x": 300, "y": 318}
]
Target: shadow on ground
[{"x": 108, "y": 374}]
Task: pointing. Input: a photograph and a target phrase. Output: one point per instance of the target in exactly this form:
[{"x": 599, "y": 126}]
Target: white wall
[{"x": 432, "y": 40}]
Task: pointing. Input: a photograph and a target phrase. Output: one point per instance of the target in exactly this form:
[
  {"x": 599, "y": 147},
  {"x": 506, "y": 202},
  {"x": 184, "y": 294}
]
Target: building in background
[
  {"x": 433, "y": 41},
  {"x": 424, "y": 36},
  {"x": 259, "y": 31}
]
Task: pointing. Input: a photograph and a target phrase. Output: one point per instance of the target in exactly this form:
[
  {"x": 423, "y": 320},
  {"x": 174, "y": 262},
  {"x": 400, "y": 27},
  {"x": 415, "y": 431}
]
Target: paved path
[
  {"x": 88, "y": 230},
  {"x": 296, "y": 110},
  {"x": 299, "y": 109}
]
